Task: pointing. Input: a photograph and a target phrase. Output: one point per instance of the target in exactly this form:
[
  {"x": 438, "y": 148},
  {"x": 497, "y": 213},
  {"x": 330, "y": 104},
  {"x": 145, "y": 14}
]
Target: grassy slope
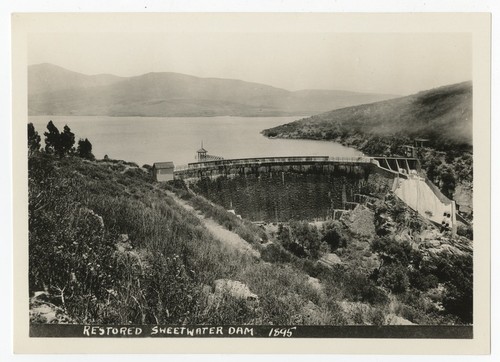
[
  {"x": 80, "y": 212},
  {"x": 158, "y": 275},
  {"x": 444, "y": 115}
]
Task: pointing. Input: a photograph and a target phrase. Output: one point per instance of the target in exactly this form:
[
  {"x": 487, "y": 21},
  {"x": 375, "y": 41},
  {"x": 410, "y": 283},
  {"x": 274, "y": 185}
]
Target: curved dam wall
[{"x": 288, "y": 191}]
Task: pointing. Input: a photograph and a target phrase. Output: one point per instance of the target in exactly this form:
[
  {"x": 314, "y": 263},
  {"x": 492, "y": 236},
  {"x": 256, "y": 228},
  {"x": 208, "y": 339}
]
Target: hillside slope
[
  {"x": 442, "y": 115},
  {"x": 57, "y": 91},
  {"x": 109, "y": 246},
  {"x": 46, "y": 78}
]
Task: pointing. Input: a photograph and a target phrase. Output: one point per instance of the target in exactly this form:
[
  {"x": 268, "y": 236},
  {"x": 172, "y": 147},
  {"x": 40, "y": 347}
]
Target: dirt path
[{"x": 219, "y": 232}]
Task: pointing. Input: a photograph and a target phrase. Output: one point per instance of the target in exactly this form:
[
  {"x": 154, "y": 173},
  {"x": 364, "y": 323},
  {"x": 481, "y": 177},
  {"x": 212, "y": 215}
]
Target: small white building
[{"x": 163, "y": 171}]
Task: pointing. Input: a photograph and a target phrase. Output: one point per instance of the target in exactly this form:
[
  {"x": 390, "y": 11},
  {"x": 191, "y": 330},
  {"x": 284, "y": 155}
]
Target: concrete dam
[{"x": 290, "y": 188}]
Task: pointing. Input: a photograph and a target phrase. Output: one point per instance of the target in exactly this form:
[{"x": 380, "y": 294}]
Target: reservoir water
[{"x": 146, "y": 140}]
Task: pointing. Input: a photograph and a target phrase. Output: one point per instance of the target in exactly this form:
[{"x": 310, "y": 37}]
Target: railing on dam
[{"x": 271, "y": 160}]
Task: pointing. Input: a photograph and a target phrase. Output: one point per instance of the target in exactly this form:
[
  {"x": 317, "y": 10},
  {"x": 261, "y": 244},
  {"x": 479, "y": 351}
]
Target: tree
[
  {"x": 67, "y": 141},
  {"x": 84, "y": 149},
  {"x": 334, "y": 236},
  {"x": 448, "y": 180},
  {"x": 431, "y": 164},
  {"x": 59, "y": 143},
  {"x": 300, "y": 238},
  {"x": 33, "y": 139},
  {"x": 52, "y": 138}
]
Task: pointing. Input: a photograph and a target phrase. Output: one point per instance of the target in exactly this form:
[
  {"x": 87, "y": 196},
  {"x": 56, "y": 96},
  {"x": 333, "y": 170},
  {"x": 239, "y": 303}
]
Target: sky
[{"x": 392, "y": 63}]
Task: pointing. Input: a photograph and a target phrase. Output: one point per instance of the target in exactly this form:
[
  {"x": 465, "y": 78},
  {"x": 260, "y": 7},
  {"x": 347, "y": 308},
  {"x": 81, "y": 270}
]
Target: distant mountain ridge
[
  {"x": 47, "y": 77},
  {"x": 443, "y": 115},
  {"x": 53, "y": 90}
]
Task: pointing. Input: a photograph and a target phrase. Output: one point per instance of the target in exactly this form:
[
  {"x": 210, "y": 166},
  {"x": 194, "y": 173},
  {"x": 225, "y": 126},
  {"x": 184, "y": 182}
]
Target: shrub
[
  {"x": 334, "y": 235},
  {"x": 275, "y": 253},
  {"x": 465, "y": 231},
  {"x": 394, "y": 277},
  {"x": 137, "y": 174},
  {"x": 422, "y": 280},
  {"x": 300, "y": 238},
  {"x": 455, "y": 271},
  {"x": 170, "y": 293},
  {"x": 314, "y": 268},
  {"x": 70, "y": 253},
  {"x": 354, "y": 283},
  {"x": 391, "y": 250},
  {"x": 371, "y": 293}
]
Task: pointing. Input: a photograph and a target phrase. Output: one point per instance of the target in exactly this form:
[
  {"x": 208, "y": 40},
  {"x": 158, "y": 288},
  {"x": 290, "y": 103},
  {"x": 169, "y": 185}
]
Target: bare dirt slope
[{"x": 219, "y": 232}]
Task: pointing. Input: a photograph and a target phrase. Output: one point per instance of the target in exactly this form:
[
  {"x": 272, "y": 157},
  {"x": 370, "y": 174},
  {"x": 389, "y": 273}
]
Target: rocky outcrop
[
  {"x": 330, "y": 259},
  {"x": 43, "y": 311},
  {"x": 394, "y": 320},
  {"x": 433, "y": 243},
  {"x": 235, "y": 289},
  {"x": 360, "y": 222}
]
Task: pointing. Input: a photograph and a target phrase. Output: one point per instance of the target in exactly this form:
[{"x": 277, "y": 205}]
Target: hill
[
  {"x": 442, "y": 115},
  {"x": 107, "y": 245},
  {"x": 56, "y": 91},
  {"x": 46, "y": 78}
]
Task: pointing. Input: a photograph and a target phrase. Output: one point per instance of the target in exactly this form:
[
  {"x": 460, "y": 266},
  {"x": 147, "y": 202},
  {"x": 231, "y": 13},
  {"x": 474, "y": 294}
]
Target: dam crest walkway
[{"x": 257, "y": 161}]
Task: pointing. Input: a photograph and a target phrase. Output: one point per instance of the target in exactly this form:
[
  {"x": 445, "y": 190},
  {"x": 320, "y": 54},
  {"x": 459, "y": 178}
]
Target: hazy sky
[{"x": 383, "y": 63}]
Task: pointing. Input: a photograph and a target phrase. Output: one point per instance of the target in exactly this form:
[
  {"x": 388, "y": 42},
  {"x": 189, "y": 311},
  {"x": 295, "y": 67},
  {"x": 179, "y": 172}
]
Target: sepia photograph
[{"x": 220, "y": 176}]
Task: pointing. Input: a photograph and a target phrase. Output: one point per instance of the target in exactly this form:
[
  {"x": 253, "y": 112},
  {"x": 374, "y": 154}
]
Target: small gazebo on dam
[{"x": 203, "y": 156}]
